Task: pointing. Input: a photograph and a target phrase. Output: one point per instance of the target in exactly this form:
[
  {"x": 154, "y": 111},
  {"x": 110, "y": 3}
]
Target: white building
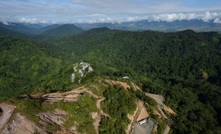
[{"x": 142, "y": 121}]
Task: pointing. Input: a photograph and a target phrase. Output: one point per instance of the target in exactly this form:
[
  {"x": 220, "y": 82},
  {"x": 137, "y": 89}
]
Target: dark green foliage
[
  {"x": 151, "y": 54},
  {"x": 184, "y": 66},
  {"x": 5, "y": 31},
  {"x": 25, "y": 66},
  {"x": 141, "y": 96},
  {"x": 63, "y": 30},
  {"x": 197, "y": 104},
  {"x": 118, "y": 104}
]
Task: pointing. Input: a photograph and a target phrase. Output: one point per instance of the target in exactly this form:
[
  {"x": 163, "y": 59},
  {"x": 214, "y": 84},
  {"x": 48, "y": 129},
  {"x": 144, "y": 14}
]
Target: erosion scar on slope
[{"x": 7, "y": 111}]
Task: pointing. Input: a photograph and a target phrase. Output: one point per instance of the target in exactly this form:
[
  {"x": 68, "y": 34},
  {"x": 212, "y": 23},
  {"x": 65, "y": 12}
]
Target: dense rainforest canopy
[{"x": 184, "y": 66}]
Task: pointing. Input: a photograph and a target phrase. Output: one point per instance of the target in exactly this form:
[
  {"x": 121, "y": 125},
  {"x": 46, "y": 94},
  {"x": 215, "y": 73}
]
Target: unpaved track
[
  {"x": 114, "y": 82},
  {"x": 135, "y": 86},
  {"x": 7, "y": 110},
  {"x": 160, "y": 104},
  {"x": 137, "y": 112},
  {"x": 166, "y": 130},
  {"x": 131, "y": 118},
  {"x": 97, "y": 118},
  {"x": 158, "y": 98},
  {"x": 98, "y": 104}
]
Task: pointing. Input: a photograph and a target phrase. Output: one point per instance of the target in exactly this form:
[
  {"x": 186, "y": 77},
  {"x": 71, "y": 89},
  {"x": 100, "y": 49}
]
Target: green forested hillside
[
  {"x": 28, "y": 66},
  {"x": 63, "y": 30},
  {"x": 183, "y": 66},
  {"x": 5, "y": 31},
  {"x": 151, "y": 54}
]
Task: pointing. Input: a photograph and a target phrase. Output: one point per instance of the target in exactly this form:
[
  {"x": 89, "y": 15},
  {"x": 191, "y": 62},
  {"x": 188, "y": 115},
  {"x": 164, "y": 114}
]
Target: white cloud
[
  {"x": 209, "y": 16},
  {"x": 30, "y": 20},
  {"x": 206, "y": 17},
  {"x": 72, "y": 11},
  {"x": 217, "y": 20},
  {"x": 214, "y": 17},
  {"x": 5, "y": 22},
  {"x": 173, "y": 17}
]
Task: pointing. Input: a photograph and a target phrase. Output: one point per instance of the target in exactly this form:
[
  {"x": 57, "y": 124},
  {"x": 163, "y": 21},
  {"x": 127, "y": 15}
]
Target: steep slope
[
  {"x": 149, "y": 53},
  {"x": 184, "y": 66},
  {"x": 5, "y": 31},
  {"x": 63, "y": 30},
  {"x": 27, "y": 66},
  {"x": 21, "y": 28}
]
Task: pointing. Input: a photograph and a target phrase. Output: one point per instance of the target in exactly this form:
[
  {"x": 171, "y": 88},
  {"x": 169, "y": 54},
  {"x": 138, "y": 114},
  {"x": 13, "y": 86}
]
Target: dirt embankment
[
  {"x": 135, "y": 86},
  {"x": 21, "y": 125},
  {"x": 55, "y": 117},
  {"x": 7, "y": 111},
  {"x": 97, "y": 118},
  {"x": 70, "y": 96},
  {"x": 139, "y": 114},
  {"x": 160, "y": 105},
  {"x": 160, "y": 101},
  {"x": 143, "y": 114},
  {"x": 131, "y": 118},
  {"x": 114, "y": 82}
]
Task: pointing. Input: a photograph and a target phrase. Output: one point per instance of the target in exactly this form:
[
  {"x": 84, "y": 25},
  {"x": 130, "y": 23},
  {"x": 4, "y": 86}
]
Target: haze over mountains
[{"x": 143, "y": 25}]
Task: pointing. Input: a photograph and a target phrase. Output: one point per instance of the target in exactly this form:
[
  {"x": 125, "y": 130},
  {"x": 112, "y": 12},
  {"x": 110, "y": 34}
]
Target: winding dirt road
[
  {"x": 98, "y": 104},
  {"x": 160, "y": 104}
]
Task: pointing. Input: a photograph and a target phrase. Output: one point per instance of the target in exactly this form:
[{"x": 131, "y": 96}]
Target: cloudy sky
[{"x": 74, "y": 11}]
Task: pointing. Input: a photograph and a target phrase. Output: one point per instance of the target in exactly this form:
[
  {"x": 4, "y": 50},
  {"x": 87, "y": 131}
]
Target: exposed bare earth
[
  {"x": 71, "y": 96},
  {"x": 158, "y": 98},
  {"x": 73, "y": 130},
  {"x": 161, "y": 111},
  {"x": 98, "y": 104},
  {"x": 168, "y": 110},
  {"x": 7, "y": 111},
  {"x": 160, "y": 101},
  {"x": 143, "y": 114},
  {"x": 140, "y": 106},
  {"x": 97, "y": 118},
  {"x": 135, "y": 86},
  {"x": 166, "y": 130},
  {"x": 157, "y": 113},
  {"x": 131, "y": 118},
  {"x": 155, "y": 130},
  {"x": 139, "y": 114},
  {"x": 21, "y": 125},
  {"x": 113, "y": 82},
  {"x": 56, "y": 117}
]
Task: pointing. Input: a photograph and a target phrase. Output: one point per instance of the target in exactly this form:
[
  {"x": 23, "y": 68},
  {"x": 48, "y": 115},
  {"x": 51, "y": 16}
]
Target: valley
[{"x": 106, "y": 81}]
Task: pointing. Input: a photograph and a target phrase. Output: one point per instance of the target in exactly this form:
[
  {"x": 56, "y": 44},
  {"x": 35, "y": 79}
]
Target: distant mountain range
[
  {"x": 143, "y": 25},
  {"x": 37, "y": 29},
  {"x": 60, "y": 30}
]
